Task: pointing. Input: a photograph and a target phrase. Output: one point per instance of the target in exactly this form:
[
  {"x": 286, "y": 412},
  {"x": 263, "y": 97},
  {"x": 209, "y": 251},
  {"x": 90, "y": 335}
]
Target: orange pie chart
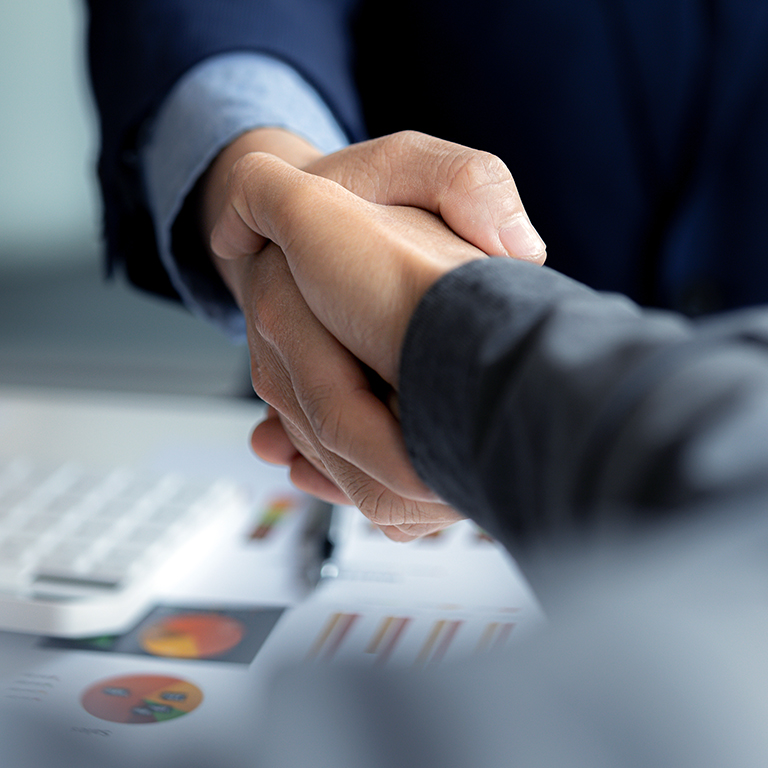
[
  {"x": 141, "y": 699},
  {"x": 192, "y": 636}
]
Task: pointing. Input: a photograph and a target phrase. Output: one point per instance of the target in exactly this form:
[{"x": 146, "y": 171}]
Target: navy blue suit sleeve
[{"x": 138, "y": 49}]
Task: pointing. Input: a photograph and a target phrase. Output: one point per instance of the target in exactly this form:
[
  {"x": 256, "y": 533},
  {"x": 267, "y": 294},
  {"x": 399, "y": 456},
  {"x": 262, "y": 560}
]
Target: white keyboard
[{"x": 81, "y": 550}]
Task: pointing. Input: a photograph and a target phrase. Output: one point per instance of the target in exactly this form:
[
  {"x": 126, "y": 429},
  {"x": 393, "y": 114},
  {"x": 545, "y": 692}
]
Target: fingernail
[{"x": 520, "y": 238}]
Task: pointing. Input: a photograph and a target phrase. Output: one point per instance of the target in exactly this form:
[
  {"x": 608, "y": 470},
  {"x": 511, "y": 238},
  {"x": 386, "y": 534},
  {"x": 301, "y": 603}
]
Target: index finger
[{"x": 265, "y": 198}]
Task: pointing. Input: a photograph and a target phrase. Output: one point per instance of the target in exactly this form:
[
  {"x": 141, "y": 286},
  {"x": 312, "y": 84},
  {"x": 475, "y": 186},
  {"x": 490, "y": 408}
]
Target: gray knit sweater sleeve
[{"x": 535, "y": 405}]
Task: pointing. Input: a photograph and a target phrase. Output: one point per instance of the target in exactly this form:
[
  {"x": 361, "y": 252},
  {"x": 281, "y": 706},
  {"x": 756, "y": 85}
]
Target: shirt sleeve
[{"x": 213, "y": 104}]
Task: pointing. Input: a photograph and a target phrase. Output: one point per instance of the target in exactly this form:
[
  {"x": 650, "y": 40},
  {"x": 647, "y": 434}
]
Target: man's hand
[
  {"x": 472, "y": 191},
  {"x": 341, "y": 441},
  {"x": 361, "y": 267},
  {"x": 356, "y": 454}
]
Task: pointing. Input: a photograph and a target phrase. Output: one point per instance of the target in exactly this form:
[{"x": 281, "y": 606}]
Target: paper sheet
[{"x": 186, "y": 685}]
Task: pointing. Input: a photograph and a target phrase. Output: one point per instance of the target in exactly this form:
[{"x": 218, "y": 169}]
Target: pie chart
[
  {"x": 192, "y": 635},
  {"x": 141, "y": 699}
]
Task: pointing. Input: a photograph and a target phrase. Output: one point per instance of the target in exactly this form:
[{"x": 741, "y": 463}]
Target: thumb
[{"x": 472, "y": 191}]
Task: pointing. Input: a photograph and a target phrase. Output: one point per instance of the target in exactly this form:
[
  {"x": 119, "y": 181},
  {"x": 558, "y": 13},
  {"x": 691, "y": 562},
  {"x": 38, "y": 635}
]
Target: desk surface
[{"x": 134, "y": 700}]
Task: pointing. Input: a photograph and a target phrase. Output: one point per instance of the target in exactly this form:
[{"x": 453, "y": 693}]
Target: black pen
[{"x": 318, "y": 544}]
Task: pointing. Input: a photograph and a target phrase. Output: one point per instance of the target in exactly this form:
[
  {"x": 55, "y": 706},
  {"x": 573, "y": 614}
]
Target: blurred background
[{"x": 61, "y": 323}]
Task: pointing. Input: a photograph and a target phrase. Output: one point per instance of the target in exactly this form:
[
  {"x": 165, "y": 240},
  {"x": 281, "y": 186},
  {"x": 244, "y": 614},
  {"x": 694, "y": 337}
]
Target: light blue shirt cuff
[{"x": 214, "y": 103}]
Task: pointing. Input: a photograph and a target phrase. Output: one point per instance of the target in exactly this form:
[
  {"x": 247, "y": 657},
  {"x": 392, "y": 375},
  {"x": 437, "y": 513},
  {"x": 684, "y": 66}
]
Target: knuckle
[
  {"x": 246, "y": 168},
  {"x": 374, "y": 504},
  {"x": 242, "y": 169},
  {"x": 264, "y": 386},
  {"x": 401, "y": 139},
  {"x": 400, "y": 144},
  {"x": 325, "y": 416},
  {"x": 494, "y": 167},
  {"x": 273, "y": 308},
  {"x": 268, "y": 379},
  {"x": 377, "y": 503},
  {"x": 266, "y": 317},
  {"x": 247, "y": 164},
  {"x": 243, "y": 179},
  {"x": 474, "y": 169}
]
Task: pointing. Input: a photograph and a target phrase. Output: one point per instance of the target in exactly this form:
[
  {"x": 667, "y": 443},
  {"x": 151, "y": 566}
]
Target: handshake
[{"x": 328, "y": 258}]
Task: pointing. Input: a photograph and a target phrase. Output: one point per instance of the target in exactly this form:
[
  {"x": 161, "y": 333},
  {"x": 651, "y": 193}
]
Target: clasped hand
[{"x": 328, "y": 264}]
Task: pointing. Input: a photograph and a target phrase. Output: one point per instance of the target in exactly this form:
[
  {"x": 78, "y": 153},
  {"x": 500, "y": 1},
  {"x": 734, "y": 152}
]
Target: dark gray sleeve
[{"x": 536, "y": 406}]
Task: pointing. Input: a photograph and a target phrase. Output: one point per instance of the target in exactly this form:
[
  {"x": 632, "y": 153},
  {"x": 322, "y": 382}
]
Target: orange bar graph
[
  {"x": 495, "y": 636},
  {"x": 439, "y": 640},
  {"x": 452, "y": 627},
  {"x": 332, "y": 635},
  {"x": 396, "y": 631},
  {"x": 381, "y": 633},
  {"x": 503, "y": 636},
  {"x": 387, "y": 636},
  {"x": 430, "y": 643}
]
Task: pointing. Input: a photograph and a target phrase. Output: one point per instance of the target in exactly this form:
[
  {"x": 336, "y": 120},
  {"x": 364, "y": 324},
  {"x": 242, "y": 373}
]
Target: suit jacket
[{"x": 637, "y": 132}]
